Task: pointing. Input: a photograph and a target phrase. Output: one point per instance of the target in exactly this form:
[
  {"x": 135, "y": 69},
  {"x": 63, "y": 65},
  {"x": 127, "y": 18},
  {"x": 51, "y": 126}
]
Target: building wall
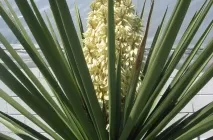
[{"x": 204, "y": 97}]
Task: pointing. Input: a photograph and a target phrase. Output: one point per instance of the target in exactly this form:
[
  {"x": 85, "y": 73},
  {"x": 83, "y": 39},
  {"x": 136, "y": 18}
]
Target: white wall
[{"x": 204, "y": 97}]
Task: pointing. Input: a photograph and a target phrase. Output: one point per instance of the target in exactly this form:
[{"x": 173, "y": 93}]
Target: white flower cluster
[{"x": 128, "y": 32}]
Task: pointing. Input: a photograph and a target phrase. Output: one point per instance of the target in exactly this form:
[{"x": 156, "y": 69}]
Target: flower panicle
[{"x": 128, "y": 35}]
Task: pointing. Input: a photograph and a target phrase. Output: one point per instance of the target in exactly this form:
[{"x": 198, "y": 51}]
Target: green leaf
[
  {"x": 200, "y": 128},
  {"x": 28, "y": 83},
  {"x": 196, "y": 75},
  {"x": 192, "y": 120},
  {"x": 179, "y": 51},
  {"x": 153, "y": 48},
  {"x": 113, "y": 104},
  {"x": 52, "y": 30},
  {"x": 189, "y": 95},
  {"x": 67, "y": 46},
  {"x": 32, "y": 102},
  {"x": 186, "y": 39},
  {"x": 5, "y": 137},
  {"x": 35, "y": 80},
  {"x": 118, "y": 93},
  {"x": 129, "y": 101},
  {"x": 171, "y": 129},
  {"x": 157, "y": 65},
  {"x": 58, "y": 66},
  {"x": 89, "y": 96},
  {"x": 22, "y": 126},
  {"x": 69, "y": 114},
  {"x": 166, "y": 74},
  {"x": 142, "y": 12},
  {"x": 150, "y": 104},
  {"x": 28, "y": 115},
  {"x": 192, "y": 54},
  {"x": 47, "y": 32},
  {"x": 16, "y": 130},
  {"x": 28, "y": 72},
  {"x": 28, "y": 45},
  {"x": 19, "y": 31},
  {"x": 35, "y": 93},
  {"x": 80, "y": 24}
]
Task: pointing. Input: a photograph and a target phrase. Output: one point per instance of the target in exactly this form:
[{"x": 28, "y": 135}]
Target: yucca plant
[{"x": 124, "y": 101}]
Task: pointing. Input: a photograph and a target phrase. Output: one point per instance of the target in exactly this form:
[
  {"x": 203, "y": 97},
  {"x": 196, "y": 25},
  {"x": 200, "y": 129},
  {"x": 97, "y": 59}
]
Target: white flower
[{"x": 128, "y": 33}]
